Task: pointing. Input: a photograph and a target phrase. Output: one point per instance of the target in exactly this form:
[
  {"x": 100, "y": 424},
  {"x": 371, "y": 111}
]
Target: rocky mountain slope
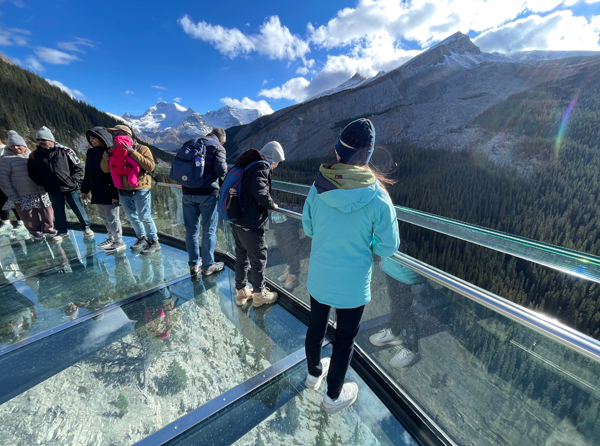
[
  {"x": 427, "y": 102},
  {"x": 169, "y": 125}
]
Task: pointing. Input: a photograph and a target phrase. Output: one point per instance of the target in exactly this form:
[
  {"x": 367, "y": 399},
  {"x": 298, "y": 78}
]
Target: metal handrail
[{"x": 535, "y": 321}]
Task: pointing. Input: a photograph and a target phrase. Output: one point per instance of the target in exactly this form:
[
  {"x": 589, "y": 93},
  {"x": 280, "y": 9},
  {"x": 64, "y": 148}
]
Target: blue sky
[{"x": 265, "y": 54}]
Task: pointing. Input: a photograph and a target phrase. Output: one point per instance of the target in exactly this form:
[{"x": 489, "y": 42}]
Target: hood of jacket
[
  {"x": 346, "y": 187},
  {"x": 7, "y": 152},
  {"x": 101, "y": 133},
  {"x": 250, "y": 156}
]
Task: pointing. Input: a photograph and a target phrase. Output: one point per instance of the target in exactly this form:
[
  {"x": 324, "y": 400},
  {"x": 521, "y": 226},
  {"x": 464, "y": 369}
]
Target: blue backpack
[
  {"x": 230, "y": 205},
  {"x": 188, "y": 166}
]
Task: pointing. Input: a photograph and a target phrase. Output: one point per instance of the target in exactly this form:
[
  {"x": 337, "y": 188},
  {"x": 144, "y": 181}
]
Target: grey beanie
[
  {"x": 273, "y": 152},
  {"x": 14, "y": 139},
  {"x": 45, "y": 133}
]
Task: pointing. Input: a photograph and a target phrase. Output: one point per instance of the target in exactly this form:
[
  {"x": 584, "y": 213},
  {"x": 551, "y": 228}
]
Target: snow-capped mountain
[
  {"x": 228, "y": 116},
  {"x": 168, "y": 125},
  {"x": 549, "y": 55}
]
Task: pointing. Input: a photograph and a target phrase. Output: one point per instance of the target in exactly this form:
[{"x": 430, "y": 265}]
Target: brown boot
[
  {"x": 242, "y": 296},
  {"x": 266, "y": 297},
  {"x": 285, "y": 275},
  {"x": 291, "y": 282}
]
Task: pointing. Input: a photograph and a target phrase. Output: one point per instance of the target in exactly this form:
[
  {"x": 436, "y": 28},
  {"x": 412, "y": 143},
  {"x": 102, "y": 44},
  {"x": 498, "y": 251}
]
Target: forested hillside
[
  {"x": 558, "y": 203},
  {"x": 28, "y": 102}
]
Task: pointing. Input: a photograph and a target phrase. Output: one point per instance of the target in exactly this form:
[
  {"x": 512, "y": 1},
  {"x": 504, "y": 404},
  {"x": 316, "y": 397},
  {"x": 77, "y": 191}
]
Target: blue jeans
[
  {"x": 194, "y": 207},
  {"x": 137, "y": 210},
  {"x": 60, "y": 216}
]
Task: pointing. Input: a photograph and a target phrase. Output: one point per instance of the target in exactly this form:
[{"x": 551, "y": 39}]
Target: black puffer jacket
[
  {"x": 255, "y": 192},
  {"x": 215, "y": 168},
  {"x": 95, "y": 180},
  {"x": 57, "y": 169}
]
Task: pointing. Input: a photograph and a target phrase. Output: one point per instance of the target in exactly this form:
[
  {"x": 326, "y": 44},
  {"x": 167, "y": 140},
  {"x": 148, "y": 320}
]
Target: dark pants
[
  {"x": 348, "y": 323},
  {"x": 250, "y": 252},
  {"x": 403, "y": 322},
  {"x": 5, "y": 215},
  {"x": 60, "y": 216}
]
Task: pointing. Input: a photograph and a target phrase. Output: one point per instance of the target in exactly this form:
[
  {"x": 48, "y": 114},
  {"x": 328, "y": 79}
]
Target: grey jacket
[{"x": 14, "y": 178}]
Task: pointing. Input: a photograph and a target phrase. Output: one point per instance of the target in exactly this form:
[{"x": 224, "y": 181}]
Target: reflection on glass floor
[{"x": 121, "y": 376}]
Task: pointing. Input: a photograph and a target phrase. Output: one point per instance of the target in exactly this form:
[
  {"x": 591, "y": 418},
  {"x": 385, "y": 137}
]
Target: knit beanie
[
  {"x": 45, "y": 133},
  {"x": 356, "y": 143},
  {"x": 273, "y": 152},
  {"x": 14, "y": 139},
  {"x": 219, "y": 134}
]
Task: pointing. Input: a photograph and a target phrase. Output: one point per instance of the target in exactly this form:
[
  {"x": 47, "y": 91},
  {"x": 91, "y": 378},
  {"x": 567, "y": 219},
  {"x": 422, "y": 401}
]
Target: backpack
[
  {"x": 188, "y": 166},
  {"x": 230, "y": 205}
]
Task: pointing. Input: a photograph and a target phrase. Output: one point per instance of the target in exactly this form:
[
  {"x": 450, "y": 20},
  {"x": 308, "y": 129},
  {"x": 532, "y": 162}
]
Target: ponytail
[{"x": 381, "y": 178}]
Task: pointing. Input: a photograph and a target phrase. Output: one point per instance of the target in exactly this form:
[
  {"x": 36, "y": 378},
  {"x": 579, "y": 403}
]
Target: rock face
[
  {"x": 5, "y": 59},
  {"x": 426, "y": 102}
]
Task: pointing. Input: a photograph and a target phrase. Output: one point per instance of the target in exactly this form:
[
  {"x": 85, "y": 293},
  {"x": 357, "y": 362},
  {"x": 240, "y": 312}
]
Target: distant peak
[{"x": 357, "y": 76}]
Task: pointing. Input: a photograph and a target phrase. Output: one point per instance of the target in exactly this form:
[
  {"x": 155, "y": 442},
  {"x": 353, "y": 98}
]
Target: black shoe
[
  {"x": 142, "y": 243},
  {"x": 153, "y": 246},
  {"x": 115, "y": 247}
]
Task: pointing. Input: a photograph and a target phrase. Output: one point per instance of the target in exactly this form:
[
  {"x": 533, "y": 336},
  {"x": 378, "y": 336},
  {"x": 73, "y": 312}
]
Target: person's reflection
[
  {"x": 125, "y": 281},
  {"x": 17, "y": 313},
  {"x": 32, "y": 258},
  {"x": 291, "y": 248},
  {"x": 403, "y": 332}
]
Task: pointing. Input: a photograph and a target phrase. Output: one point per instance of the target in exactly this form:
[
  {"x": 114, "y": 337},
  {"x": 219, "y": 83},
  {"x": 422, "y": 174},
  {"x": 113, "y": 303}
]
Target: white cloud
[
  {"x": 75, "y": 94},
  {"x": 560, "y": 31},
  {"x": 308, "y": 63},
  {"x": 176, "y": 99},
  {"x": 13, "y": 36},
  {"x": 30, "y": 62},
  {"x": 265, "y": 82},
  {"x": 303, "y": 71},
  {"x": 55, "y": 57},
  {"x": 158, "y": 87},
  {"x": 74, "y": 46},
  {"x": 294, "y": 89},
  {"x": 129, "y": 92},
  {"x": 273, "y": 40},
  {"x": 247, "y": 103}
]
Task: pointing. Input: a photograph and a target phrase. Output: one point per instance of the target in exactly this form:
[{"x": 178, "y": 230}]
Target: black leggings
[
  {"x": 348, "y": 323},
  {"x": 5, "y": 215}
]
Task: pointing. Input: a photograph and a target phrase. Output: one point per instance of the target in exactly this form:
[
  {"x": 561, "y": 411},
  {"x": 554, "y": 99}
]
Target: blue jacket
[{"x": 347, "y": 226}]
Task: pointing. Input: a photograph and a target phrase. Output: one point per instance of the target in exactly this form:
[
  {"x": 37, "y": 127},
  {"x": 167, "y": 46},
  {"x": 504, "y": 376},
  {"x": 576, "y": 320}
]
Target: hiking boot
[
  {"x": 264, "y": 298},
  {"x": 153, "y": 246},
  {"x": 88, "y": 233},
  {"x": 242, "y": 296},
  {"x": 195, "y": 270},
  {"x": 60, "y": 237},
  {"x": 215, "y": 267},
  {"x": 385, "y": 337},
  {"x": 6, "y": 228},
  {"x": 285, "y": 275},
  {"x": 347, "y": 398},
  {"x": 106, "y": 243},
  {"x": 142, "y": 243},
  {"x": 115, "y": 247},
  {"x": 404, "y": 358},
  {"x": 314, "y": 382},
  {"x": 291, "y": 282}
]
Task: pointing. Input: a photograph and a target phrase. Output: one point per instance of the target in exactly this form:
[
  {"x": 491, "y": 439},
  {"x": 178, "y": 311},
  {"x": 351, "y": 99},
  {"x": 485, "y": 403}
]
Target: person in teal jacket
[{"x": 349, "y": 216}]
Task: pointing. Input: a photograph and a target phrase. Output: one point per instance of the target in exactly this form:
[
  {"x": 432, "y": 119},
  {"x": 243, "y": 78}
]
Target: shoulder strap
[{"x": 257, "y": 162}]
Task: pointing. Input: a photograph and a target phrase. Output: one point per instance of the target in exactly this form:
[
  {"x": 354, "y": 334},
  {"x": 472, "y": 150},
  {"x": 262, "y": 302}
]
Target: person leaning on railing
[
  {"x": 136, "y": 199},
  {"x": 349, "y": 216}
]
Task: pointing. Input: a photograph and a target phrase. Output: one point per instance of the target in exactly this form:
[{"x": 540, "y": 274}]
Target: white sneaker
[
  {"x": 314, "y": 382},
  {"x": 385, "y": 337},
  {"x": 88, "y": 233},
  {"x": 403, "y": 358},
  {"x": 346, "y": 398},
  {"x": 6, "y": 228}
]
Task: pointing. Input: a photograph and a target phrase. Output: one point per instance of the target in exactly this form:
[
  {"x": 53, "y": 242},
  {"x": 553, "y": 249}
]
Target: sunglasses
[{"x": 42, "y": 140}]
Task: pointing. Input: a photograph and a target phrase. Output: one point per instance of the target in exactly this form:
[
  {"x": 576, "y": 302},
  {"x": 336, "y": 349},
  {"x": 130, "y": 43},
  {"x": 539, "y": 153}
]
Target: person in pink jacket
[{"x": 122, "y": 164}]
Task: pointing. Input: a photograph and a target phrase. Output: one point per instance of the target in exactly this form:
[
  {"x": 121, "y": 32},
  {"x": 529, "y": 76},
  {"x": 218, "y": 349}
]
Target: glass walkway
[{"x": 125, "y": 349}]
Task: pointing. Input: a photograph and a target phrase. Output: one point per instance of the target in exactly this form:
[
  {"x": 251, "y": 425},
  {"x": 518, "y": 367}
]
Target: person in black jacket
[
  {"x": 104, "y": 193},
  {"x": 202, "y": 202},
  {"x": 59, "y": 170},
  {"x": 249, "y": 230}
]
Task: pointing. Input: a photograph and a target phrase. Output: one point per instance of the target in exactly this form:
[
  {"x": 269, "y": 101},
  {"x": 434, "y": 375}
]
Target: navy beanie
[{"x": 356, "y": 143}]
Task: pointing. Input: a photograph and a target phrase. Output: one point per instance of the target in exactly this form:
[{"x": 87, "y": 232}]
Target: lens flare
[{"x": 563, "y": 124}]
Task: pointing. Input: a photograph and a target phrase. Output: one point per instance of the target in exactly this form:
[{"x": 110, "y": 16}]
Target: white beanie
[
  {"x": 45, "y": 133},
  {"x": 273, "y": 152},
  {"x": 14, "y": 139}
]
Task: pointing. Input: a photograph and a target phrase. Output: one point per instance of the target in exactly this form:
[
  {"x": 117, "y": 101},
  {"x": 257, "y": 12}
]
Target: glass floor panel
[
  {"x": 81, "y": 279},
  {"x": 285, "y": 413},
  {"x": 115, "y": 379}
]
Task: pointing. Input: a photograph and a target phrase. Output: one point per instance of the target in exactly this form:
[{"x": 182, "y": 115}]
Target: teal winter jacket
[{"x": 349, "y": 216}]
